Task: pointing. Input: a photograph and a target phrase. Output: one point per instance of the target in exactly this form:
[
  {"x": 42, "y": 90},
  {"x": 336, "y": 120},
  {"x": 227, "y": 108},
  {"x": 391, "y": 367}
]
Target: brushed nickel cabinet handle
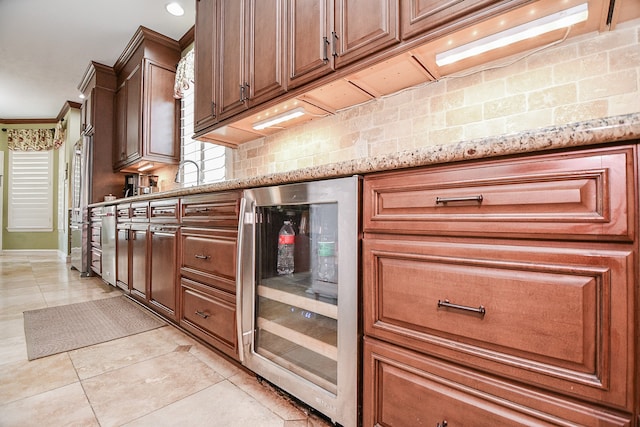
[
  {"x": 444, "y": 423},
  {"x": 202, "y": 256},
  {"x": 444, "y": 200},
  {"x": 445, "y": 303},
  {"x": 202, "y": 314}
]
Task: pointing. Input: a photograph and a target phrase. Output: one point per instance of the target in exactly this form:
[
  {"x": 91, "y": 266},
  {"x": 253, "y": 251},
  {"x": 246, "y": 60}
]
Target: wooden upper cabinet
[
  {"x": 434, "y": 18},
  {"x": 323, "y": 35},
  {"x": 250, "y": 53},
  {"x": 363, "y": 27},
  {"x": 148, "y": 124},
  {"x": 229, "y": 95},
  {"x": 308, "y": 45},
  {"x": 205, "y": 56},
  {"x": 265, "y": 50}
]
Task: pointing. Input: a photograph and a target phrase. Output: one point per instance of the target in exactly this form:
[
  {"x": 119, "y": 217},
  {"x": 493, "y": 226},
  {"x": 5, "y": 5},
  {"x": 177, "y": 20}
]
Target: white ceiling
[{"x": 46, "y": 46}]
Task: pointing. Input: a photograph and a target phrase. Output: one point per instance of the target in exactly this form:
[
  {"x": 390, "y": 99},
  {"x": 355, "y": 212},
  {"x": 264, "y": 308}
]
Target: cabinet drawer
[
  {"x": 95, "y": 235},
  {"x": 140, "y": 211},
  {"x": 585, "y": 196},
  {"x": 403, "y": 388},
  {"x": 165, "y": 211},
  {"x": 123, "y": 212},
  {"x": 543, "y": 315},
  {"x": 209, "y": 256},
  {"x": 96, "y": 260},
  {"x": 210, "y": 314},
  {"x": 211, "y": 210}
]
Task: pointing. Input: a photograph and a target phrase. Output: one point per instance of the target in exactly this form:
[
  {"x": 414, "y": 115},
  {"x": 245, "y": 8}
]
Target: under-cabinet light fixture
[
  {"x": 145, "y": 167},
  {"x": 282, "y": 117},
  {"x": 564, "y": 18},
  {"x": 175, "y": 9}
]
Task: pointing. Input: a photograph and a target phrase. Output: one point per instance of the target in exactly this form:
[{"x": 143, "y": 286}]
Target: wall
[
  {"x": 34, "y": 240},
  {"x": 587, "y": 77}
]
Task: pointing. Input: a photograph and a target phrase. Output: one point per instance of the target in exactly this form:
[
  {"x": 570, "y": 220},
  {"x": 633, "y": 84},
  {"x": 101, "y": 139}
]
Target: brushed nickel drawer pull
[
  {"x": 202, "y": 314},
  {"x": 444, "y": 423},
  {"x": 444, "y": 200},
  {"x": 202, "y": 256},
  {"x": 445, "y": 303}
]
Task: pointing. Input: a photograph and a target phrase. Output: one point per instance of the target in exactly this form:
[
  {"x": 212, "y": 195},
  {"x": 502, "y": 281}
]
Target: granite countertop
[{"x": 599, "y": 131}]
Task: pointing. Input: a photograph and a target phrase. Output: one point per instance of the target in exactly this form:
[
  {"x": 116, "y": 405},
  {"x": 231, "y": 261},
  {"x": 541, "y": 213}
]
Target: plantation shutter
[{"x": 30, "y": 191}]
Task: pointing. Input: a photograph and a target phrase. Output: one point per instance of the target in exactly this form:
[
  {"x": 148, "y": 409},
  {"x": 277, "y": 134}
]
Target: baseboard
[{"x": 34, "y": 252}]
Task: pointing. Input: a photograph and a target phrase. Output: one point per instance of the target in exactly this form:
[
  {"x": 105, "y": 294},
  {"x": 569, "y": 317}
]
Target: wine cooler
[{"x": 298, "y": 275}]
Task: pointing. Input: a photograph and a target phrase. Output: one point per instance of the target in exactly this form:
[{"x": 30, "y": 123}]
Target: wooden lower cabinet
[
  {"x": 139, "y": 260},
  {"x": 503, "y": 292},
  {"x": 210, "y": 314},
  {"x": 406, "y": 388},
  {"x": 208, "y": 286},
  {"x": 163, "y": 270}
]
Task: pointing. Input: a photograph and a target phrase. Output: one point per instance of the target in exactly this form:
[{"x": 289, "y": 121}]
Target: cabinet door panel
[
  {"x": 364, "y": 27},
  {"x": 552, "y": 316},
  {"x": 308, "y": 44},
  {"x": 403, "y": 388},
  {"x": 160, "y": 112},
  {"x": 205, "y": 56},
  {"x": 133, "y": 87},
  {"x": 265, "y": 50},
  {"x": 162, "y": 279},
  {"x": 122, "y": 251},
  {"x": 139, "y": 263},
  {"x": 230, "y": 71},
  {"x": 437, "y": 17}
]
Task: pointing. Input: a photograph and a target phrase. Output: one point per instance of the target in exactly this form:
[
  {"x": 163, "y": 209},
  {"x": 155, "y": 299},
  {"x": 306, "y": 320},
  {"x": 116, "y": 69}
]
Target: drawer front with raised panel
[
  {"x": 164, "y": 211},
  {"x": 140, "y": 211},
  {"x": 584, "y": 196},
  {"x": 211, "y": 210},
  {"x": 404, "y": 388},
  {"x": 123, "y": 212},
  {"x": 210, "y": 314},
  {"x": 209, "y": 256},
  {"x": 550, "y": 316}
]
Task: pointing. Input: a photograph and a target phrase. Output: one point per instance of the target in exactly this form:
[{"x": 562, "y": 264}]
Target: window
[
  {"x": 30, "y": 192},
  {"x": 212, "y": 159}
]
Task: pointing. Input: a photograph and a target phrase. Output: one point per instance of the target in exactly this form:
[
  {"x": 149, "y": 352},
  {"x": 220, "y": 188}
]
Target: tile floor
[{"x": 157, "y": 378}]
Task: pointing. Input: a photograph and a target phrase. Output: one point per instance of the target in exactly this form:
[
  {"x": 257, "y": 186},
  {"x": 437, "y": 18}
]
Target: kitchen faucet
[{"x": 181, "y": 165}]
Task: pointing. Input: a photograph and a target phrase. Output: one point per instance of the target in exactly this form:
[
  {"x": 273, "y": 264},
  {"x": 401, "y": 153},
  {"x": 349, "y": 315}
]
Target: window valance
[
  {"x": 184, "y": 74},
  {"x": 32, "y": 140}
]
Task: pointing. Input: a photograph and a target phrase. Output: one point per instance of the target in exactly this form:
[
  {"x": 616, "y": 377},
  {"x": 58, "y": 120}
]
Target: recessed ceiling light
[
  {"x": 175, "y": 9},
  {"x": 81, "y": 96}
]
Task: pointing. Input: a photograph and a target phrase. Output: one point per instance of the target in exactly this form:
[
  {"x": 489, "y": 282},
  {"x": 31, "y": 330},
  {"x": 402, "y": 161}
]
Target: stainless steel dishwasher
[{"x": 108, "y": 243}]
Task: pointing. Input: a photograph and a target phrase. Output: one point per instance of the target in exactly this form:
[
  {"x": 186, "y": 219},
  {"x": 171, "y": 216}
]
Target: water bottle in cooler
[
  {"x": 286, "y": 248},
  {"x": 327, "y": 268}
]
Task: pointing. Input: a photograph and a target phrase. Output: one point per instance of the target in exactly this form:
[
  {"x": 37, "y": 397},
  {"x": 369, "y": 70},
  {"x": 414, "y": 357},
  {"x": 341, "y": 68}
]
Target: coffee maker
[
  {"x": 148, "y": 184},
  {"x": 130, "y": 185}
]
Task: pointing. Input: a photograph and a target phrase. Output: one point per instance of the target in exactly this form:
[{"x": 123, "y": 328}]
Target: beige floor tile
[
  {"x": 232, "y": 408},
  {"x": 267, "y": 396},
  {"x": 67, "y": 296},
  {"x": 129, "y": 393},
  {"x": 12, "y": 350},
  {"x": 215, "y": 361},
  {"x": 23, "y": 379},
  {"x": 65, "y": 406},
  {"x": 11, "y": 326},
  {"x": 16, "y": 304},
  {"x": 116, "y": 354}
]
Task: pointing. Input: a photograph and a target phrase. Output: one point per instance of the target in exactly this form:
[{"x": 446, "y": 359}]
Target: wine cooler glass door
[
  {"x": 299, "y": 291},
  {"x": 296, "y": 308}
]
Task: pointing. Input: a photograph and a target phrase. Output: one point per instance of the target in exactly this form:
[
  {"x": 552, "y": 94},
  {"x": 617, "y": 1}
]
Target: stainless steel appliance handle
[{"x": 239, "y": 261}]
